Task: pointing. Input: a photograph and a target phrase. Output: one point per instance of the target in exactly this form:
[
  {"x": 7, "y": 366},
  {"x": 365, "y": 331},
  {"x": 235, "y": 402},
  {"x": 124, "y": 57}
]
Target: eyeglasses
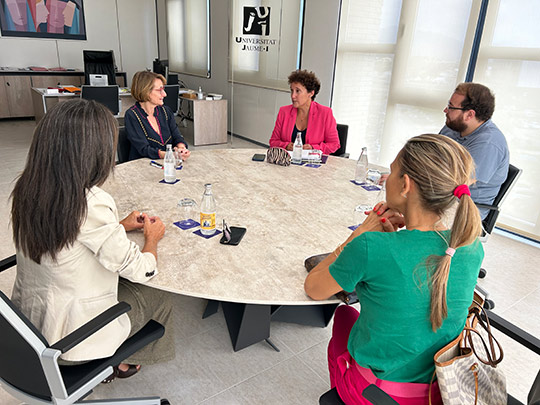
[
  {"x": 160, "y": 89},
  {"x": 457, "y": 108}
]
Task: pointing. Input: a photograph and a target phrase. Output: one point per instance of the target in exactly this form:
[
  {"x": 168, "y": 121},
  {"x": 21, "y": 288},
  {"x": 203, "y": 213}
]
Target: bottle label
[{"x": 208, "y": 221}]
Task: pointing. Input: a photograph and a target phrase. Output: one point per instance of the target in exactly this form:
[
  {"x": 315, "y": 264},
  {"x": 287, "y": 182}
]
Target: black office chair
[
  {"x": 28, "y": 363},
  {"x": 124, "y": 146},
  {"x": 489, "y": 222},
  {"x": 109, "y": 96},
  {"x": 99, "y": 62},
  {"x": 171, "y": 100},
  {"x": 378, "y": 397},
  {"x": 343, "y": 131}
]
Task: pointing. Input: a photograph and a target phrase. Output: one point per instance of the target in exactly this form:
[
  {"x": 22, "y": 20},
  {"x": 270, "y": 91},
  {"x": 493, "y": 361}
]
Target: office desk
[
  {"x": 289, "y": 212},
  {"x": 43, "y": 101}
]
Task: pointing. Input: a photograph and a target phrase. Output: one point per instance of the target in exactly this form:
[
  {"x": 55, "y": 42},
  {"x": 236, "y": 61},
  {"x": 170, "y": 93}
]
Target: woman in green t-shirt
[{"x": 414, "y": 286}]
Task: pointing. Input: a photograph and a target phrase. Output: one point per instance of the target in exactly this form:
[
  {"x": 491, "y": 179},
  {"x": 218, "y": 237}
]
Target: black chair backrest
[
  {"x": 489, "y": 221},
  {"x": 99, "y": 62},
  {"x": 171, "y": 100},
  {"x": 19, "y": 362},
  {"x": 343, "y": 131},
  {"x": 124, "y": 146},
  {"x": 106, "y": 95}
]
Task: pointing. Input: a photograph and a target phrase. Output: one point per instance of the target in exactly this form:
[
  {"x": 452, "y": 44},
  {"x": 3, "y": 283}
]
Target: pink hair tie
[
  {"x": 450, "y": 252},
  {"x": 462, "y": 189}
]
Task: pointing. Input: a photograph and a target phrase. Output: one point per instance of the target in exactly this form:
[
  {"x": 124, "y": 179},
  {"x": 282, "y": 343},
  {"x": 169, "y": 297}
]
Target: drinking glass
[
  {"x": 188, "y": 208},
  {"x": 177, "y": 157},
  {"x": 381, "y": 196},
  {"x": 373, "y": 176}
]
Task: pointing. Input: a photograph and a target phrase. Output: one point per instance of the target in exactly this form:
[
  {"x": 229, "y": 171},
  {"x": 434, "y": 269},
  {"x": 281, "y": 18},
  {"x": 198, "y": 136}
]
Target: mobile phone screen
[{"x": 258, "y": 157}]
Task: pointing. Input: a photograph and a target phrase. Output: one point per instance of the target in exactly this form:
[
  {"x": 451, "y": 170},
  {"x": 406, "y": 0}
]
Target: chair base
[{"x": 482, "y": 273}]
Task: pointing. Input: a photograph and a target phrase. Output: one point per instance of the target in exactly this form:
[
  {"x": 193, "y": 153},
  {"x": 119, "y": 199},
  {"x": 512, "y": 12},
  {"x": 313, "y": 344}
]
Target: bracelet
[{"x": 340, "y": 247}]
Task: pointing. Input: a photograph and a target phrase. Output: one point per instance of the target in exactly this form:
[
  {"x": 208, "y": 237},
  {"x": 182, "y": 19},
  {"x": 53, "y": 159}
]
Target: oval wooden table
[{"x": 290, "y": 213}]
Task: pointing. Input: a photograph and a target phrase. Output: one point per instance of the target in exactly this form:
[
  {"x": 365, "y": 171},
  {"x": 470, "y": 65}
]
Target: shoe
[
  {"x": 132, "y": 370},
  {"x": 110, "y": 378}
]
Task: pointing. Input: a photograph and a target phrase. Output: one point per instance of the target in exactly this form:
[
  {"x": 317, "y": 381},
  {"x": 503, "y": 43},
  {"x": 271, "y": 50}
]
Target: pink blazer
[{"x": 321, "y": 130}]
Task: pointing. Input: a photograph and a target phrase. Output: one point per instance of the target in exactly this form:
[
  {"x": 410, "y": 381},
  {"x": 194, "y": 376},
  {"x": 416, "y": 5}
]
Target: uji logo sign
[{"x": 256, "y": 21}]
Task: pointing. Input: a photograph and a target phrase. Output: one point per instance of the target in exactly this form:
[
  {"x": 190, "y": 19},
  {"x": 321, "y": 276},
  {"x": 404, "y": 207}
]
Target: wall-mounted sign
[
  {"x": 266, "y": 37},
  {"x": 256, "y": 30}
]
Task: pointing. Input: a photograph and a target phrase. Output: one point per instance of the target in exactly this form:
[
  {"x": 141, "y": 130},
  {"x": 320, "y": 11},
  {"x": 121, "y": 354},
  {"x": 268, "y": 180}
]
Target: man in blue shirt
[{"x": 468, "y": 122}]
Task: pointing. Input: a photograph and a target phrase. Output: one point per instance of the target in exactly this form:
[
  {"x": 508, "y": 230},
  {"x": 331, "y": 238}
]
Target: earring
[{"x": 404, "y": 195}]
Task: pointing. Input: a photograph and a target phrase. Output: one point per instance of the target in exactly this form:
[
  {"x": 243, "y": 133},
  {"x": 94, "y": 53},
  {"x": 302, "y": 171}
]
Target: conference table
[{"x": 290, "y": 212}]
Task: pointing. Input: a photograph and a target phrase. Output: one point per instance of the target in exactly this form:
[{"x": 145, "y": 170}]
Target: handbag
[
  {"x": 466, "y": 368},
  {"x": 278, "y": 156}
]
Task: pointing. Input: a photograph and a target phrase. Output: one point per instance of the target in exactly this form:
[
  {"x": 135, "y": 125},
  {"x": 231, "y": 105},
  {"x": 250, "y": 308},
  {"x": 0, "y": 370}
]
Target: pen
[{"x": 156, "y": 164}]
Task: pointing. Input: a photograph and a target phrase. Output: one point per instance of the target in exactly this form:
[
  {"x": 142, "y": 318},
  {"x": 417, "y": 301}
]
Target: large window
[
  {"x": 397, "y": 65},
  {"x": 188, "y": 35},
  {"x": 399, "y": 61},
  {"x": 509, "y": 64}
]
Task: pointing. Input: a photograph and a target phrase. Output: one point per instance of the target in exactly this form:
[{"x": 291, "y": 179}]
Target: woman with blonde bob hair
[
  {"x": 150, "y": 125},
  {"x": 414, "y": 286}
]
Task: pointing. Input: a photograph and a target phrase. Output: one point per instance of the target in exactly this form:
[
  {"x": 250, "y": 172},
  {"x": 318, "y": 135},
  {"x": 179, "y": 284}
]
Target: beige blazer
[{"x": 58, "y": 297}]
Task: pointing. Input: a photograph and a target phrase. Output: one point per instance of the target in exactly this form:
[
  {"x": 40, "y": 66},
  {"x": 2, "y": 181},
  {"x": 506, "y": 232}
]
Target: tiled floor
[{"x": 207, "y": 371}]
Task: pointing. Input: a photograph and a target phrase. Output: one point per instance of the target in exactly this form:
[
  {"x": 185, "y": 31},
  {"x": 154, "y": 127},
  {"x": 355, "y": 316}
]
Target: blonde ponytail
[{"x": 438, "y": 165}]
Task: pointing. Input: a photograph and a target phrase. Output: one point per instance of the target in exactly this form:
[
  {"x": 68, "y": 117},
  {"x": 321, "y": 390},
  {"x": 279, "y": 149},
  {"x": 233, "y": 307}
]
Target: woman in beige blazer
[{"x": 74, "y": 259}]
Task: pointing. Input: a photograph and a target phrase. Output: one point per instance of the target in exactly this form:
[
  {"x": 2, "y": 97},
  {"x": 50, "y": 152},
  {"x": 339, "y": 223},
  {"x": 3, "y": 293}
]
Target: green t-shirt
[{"x": 393, "y": 335}]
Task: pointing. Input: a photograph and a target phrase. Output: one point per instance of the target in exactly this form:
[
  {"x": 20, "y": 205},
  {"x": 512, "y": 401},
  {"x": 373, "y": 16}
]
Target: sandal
[
  {"x": 132, "y": 370},
  {"x": 110, "y": 378}
]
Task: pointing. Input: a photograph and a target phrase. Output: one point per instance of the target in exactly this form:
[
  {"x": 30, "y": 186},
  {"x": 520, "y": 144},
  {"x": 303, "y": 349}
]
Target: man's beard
[{"x": 456, "y": 125}]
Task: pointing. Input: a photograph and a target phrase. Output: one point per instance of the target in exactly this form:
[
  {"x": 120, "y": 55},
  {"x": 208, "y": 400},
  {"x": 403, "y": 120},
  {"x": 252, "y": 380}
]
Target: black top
[
  {"x": 145, "y": 142},
  {"x": 295, "y": 131}
]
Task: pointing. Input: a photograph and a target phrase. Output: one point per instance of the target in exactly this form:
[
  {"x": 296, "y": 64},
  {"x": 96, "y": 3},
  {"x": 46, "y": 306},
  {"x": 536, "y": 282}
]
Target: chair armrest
[
  {"x": 488, "y": 206},
  {"x": 377, "y": 396},
  {"x": 8, "y": 262},
  {"x": 514, "y": 332},
  {"x": 91, "y": 327}
]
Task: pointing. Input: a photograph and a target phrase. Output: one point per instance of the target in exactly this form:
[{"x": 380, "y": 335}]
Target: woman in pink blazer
[{"x": 315, "y": 121}]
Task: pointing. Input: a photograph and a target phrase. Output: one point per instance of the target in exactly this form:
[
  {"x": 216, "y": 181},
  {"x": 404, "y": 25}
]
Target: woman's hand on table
[
  {"x": 289, "y": 146},
  {"x": 153, "y": 227},
  {"x": 307, "y": 146},
  {"x": 133, "y": 221},
  {"x": 185, "y": 152}
]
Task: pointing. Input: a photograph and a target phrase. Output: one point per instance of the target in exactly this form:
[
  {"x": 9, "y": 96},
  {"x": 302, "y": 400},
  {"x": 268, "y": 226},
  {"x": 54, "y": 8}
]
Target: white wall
[
  {"x": 253, "y": 110},
  {"x": 128, "y": 27}
]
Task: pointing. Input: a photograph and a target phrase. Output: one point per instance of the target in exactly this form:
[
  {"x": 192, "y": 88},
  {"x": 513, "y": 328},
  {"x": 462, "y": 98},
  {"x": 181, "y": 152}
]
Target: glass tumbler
[{"x": 188, "y": 208}]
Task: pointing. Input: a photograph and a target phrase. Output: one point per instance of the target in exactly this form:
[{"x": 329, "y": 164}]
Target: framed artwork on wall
[{"x": 60, "y": 19}]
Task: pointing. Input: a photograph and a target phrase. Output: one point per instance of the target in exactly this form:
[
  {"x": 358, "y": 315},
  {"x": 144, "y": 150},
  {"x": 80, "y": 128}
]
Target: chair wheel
[
  {"x": 482, "y": 273},
  {"x": 165, "y": 402},
  {"x": 489, "y": 304}
]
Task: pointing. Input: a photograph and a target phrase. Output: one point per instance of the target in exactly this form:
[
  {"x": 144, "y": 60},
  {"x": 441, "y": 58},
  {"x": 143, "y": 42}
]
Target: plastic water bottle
[
  {"x": 208, "y": 211},
  {"x": 200, "y": 93},
  {"x": 169, "y": 165},
  {"x": 297, "y": 149},
  {"x": 361, "y": 167}
]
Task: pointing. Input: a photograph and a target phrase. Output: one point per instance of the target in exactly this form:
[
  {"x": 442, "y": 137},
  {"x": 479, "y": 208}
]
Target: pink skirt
[{"x": 350, "y": 379}]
